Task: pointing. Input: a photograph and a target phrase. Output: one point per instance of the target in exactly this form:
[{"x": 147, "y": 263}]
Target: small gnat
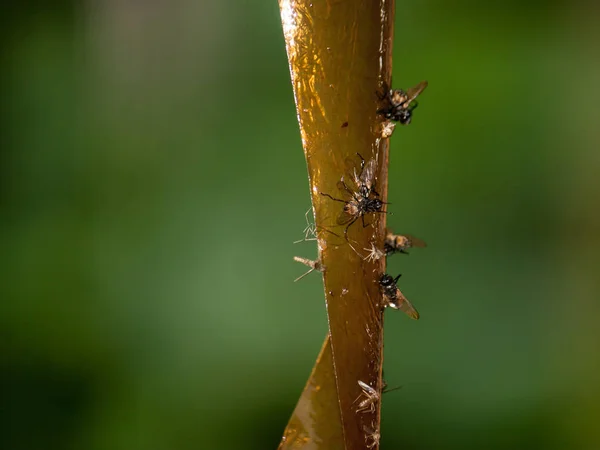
[
  {"x": 344, "y": 291},
  {"x": 314, "y": 265},
  {"x": 367, "y": 404}
]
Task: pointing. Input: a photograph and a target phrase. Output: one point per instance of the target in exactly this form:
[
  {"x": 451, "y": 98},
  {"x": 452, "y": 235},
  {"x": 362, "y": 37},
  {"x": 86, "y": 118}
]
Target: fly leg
[
  {"x": 336, "y": 199},
  {"x": 348, "y": 226}
]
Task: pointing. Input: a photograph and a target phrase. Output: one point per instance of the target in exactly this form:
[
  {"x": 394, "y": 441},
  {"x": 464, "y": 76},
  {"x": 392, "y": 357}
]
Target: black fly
[
  {"x": 394, "y": 298},
  {"x": 401, "y": 103},
  {"x": 361, "y": 200}
]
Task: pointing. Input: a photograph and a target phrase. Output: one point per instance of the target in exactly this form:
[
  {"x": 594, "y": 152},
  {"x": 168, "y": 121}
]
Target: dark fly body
[
  {"x": 401, "y": 104},
  {"x": 398, "y": 243},
  {"x": 394, "y": 298},
  {"x": 360, "y": 197}
]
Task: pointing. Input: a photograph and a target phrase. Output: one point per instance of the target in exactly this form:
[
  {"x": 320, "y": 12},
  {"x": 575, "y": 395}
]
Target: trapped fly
[
  {"x": 360, "y": 197},
  {"x": 394, "y": 298},
  {"x": 355, "y": 207},
  {"x": 399, "y": 243},
  {"x": 401, "y": 104}
]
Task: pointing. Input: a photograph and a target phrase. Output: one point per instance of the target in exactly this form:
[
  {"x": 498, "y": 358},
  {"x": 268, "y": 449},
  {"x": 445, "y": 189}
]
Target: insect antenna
[{"x": 386, "y": 390}]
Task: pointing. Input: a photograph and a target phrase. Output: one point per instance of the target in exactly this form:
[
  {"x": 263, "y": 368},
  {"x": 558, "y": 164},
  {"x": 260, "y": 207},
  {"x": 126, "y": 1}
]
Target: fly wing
[
  {"x": 365, "y": 387},
  {"x": 344, "y": 218},
  {"x": 354, "y": 168},
  {"x": 345, "y": 190},
  {"x": 367, "y": 177},
  {"x": 409, "y": 310},
  {"x": 414, "y": 92},
  {"x": 416, "y": 242},
  {"x": 404, "y": 305}
]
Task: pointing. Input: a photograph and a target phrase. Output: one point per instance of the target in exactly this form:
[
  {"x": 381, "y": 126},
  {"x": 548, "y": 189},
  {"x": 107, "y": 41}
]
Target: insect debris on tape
[
  {"x": 361, "y": 197},
  {"x": 394, "y": 298},
  {"x": 314, "y": 265},
  {"x": 372, "y": 436},
  {"x": 401, "y": 104},
  {"x": 373, "y": 253},
  {"x": 310, "y": 232},
  {"x": 371, "y": 396},
  {"x": 399, "y": 243}
]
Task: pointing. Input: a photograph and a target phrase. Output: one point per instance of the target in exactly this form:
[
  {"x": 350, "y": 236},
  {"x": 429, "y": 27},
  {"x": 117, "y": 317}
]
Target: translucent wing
[
  {"x": 367, "y": 177},
  {"x": 367, "y": 388},
  {"x": 415, "y": 242},
  {"x": 404, "y": 305},
  {"x": 344, "y": 218},
  {"x": 414, "y": 92},
  {"x": 354, "y": 168},
  {"x": 409, "y": 310},
  {"x": 345, "y": 190}
]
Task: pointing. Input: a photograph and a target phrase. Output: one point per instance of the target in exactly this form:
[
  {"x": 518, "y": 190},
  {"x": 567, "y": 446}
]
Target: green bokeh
[{"x": 153, "y": 181}]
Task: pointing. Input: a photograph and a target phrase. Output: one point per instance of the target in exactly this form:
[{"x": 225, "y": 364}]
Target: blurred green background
[{"x": 153, "y": 181}]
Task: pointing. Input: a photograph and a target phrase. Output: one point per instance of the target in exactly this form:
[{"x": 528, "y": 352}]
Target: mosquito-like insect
[
  {"x": 401, "y": 104},
  {"x": 314, "y": 265},
  {"x": 360, "y": 201},
  {"x": 394, "y": 298},
  {"x": 371, "y": 397},
  {"x": 398, "y": 243}
]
